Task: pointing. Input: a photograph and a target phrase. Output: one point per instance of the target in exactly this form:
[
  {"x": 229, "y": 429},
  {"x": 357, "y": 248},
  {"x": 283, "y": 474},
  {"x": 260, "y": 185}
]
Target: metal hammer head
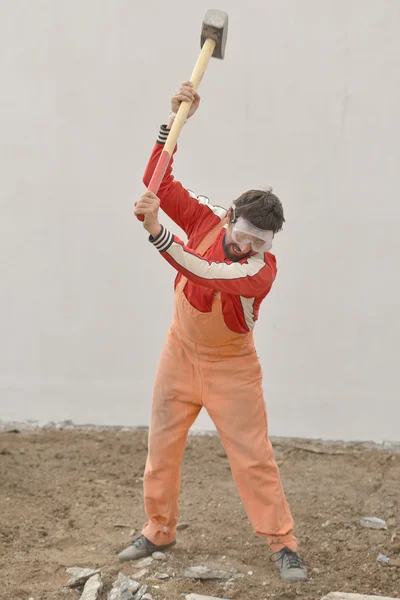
[{"x": 215, "y": 26}]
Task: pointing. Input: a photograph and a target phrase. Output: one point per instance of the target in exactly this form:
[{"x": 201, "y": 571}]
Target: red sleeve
[
  {"x": 251, "y": 279},
  {"x": 182, "y": 206}
]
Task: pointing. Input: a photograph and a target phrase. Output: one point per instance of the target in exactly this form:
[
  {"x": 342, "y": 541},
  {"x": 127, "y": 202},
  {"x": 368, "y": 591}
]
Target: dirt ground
[{"x": 70, "y": 497}]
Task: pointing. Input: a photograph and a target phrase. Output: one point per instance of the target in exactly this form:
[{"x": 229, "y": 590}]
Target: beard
[{"x": 232, "y": 251}]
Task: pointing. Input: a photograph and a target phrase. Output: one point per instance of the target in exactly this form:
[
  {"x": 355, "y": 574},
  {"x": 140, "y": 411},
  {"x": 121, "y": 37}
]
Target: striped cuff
[
  {"x": 163, "y": 241},
  {"x": 163, "y": 134}
]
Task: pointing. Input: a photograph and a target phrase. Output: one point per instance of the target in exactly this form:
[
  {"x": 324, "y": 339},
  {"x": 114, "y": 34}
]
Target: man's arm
[
  {"x": 182, "y": 206},
  {"x": 179, "y": 204},
  {"x": 250, "y": 279}
]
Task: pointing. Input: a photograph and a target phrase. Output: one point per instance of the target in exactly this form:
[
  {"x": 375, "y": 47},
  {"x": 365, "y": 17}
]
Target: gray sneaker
[
  {"x": 140, "y": 548},
  {"x": 291, "y": 566}
]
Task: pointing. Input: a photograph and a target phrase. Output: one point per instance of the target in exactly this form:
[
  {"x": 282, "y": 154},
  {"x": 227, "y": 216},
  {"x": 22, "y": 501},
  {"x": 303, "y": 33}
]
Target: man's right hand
[{"x": 186, "y": 94}]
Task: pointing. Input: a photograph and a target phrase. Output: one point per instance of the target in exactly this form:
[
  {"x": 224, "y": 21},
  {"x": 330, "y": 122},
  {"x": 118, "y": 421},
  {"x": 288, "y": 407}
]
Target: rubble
[
  {"x": 92, "y": 588},
  {"x": 124, "y": 588},
  {"x": 141, "y": 593},
  {"x": 344, "y": 596},
  {"x": 373, "y": 523},
  {"x": 120, "y": 594},
  {"x": 140, "y": 574},
  {"x": 145, "y": 562},
  {"x": 201, "y": 572},
  {"x": 159, "y": 556},
  {"x": 198, "y": 597},
  {"x": 80, "y": 576},
  {"x": 382, "y": 558}
]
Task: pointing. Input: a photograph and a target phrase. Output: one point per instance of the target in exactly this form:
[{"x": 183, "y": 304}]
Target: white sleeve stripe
[
  {"x": 215, "y": 270},
  {"x": 248, "y": 311},
  {"x": 219, "y": 211}
]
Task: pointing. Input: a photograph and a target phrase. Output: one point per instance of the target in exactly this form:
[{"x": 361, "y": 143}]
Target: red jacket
[{"x": 243, "y": 285}]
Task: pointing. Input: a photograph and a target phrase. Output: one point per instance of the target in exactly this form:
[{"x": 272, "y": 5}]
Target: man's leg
[
  {"x": 176, "y": 404},
  {"x": 235, "y": 403}
]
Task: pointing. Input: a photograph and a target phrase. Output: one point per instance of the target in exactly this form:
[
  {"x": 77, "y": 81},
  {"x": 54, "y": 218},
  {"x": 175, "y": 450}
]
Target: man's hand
[
  {"x": 148, "y": 206},
  {"x": 186, "y": 94}
]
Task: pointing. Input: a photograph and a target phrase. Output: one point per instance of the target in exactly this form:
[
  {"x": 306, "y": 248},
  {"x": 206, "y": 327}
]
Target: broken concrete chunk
[
  {"x": 161, "y": 576},
  {"x": 383, "y": 559},
  {"x": 201, "y": 572},
  {"x": 344, "y": 596},
  {"x": 145, "y": 562},
  {"x": 80, "y": 576},
  {"x": 127, "y": 583},
  {"x": 143, "y": 590},
  {"x": 159, "y": 556},
  {"x": 198, "y": 597},
  {"x": 140, "y": 574},
  {"x": 92, "y": 588},
  {"x": 118, "y": 593},
  {"x": 124, "y": 588},
  {"x": 373, "y": 523}
]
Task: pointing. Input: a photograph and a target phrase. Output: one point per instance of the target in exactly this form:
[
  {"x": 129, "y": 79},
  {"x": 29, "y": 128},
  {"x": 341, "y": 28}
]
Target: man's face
[{"x": 232, "y": 251}]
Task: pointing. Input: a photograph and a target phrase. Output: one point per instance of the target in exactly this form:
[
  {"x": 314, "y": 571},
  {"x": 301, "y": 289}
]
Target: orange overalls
[{"x": 204, "y": 363}]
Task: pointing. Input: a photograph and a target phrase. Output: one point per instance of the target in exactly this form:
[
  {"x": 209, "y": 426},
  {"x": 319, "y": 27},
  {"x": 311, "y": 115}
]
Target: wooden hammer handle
[{"x": 181, "y": 116}]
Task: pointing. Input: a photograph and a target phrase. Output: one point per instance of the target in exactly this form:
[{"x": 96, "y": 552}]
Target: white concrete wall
[{"x": 307, "y": 100}]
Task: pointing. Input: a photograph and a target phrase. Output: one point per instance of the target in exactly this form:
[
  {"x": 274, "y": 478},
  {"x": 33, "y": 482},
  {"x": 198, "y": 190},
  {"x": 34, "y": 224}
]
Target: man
[{"x": 224, "y": 272}]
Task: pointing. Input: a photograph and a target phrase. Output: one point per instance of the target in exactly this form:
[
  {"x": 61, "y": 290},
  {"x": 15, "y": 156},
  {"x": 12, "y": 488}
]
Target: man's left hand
[{"x": 148, "y": 206}]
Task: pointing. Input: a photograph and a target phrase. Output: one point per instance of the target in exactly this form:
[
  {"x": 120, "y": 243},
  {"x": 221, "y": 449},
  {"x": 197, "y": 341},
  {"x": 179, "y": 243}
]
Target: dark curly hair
[{"x": 261, "y": 208}]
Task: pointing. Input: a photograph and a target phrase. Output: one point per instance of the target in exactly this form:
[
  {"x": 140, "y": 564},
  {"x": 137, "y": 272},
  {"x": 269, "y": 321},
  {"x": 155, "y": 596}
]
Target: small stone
[
  {"x": 132, "y": 532},
  {"x": 344, "y": 596},
  {"x": 140, "y": 574},
  {"x": 145, "y": 562},
  {"x": 159, "y": 556},
  {"x": 198, "y": 597},
  {"x": 161, "y": 576},
  {"x": 373, "y": 523},
  {"x": 316, "y": 570},
  {"x": 147, "y": 597},
  {"x": 326, "y": 524},
  {"x": 383, "y": 559},
  {"x": 182, "y": 526},
  {"x": 201, "y": 572},
  {"x": 228, "y": 585},
  {"x": 250, "y": 573},
  {"x": 92, "y": 588},
  {"x": 80, "y": 576}
]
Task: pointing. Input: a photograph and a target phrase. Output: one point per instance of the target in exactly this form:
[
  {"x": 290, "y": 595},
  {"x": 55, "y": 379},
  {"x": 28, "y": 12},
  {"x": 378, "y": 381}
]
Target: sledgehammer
[{"x": 213, "y": 40}]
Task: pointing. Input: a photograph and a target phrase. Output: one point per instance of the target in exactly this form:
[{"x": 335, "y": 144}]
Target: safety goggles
[{"x": 244, "y": 233}]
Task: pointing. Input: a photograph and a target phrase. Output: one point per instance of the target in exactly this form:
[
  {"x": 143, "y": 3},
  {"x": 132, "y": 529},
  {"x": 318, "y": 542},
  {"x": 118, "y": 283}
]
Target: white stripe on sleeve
[{"x": 221, "y": 270}]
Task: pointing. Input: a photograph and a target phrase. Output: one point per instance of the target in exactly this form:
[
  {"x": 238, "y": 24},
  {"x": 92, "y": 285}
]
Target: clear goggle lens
[{"x": 244, "y": 233}]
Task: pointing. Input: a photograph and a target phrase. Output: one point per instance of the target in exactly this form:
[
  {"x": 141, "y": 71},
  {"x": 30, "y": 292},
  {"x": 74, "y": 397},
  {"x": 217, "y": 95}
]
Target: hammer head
[{"x": 215, "y": 26}]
